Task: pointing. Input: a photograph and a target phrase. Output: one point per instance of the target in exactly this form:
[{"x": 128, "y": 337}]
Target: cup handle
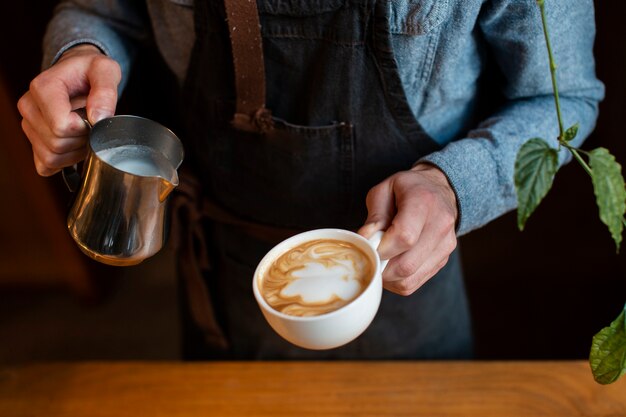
[
  {"x": 71, "y": 176},
  {"x": 375, "y": 241}
]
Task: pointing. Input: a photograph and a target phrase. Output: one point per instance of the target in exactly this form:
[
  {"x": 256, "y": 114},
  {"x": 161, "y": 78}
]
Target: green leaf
[
  {"x": 535, "y": 167},
  {"x": 570, "y": 133},
  {"x": 608, "y": 185},
  {"x": 608, "y": 351}
]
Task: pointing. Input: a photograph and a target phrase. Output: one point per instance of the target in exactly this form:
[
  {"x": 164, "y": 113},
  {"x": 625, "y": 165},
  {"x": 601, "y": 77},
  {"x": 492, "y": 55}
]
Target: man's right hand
[{"x": 82, "y": 77}]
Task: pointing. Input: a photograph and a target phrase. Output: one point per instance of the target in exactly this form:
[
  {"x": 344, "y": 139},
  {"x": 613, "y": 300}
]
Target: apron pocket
[{"x": 294, "y": 176}]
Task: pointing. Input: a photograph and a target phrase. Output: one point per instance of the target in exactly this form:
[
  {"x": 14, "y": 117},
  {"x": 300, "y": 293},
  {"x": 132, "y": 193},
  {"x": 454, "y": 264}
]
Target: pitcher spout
[{"x": 166, "y": 187}]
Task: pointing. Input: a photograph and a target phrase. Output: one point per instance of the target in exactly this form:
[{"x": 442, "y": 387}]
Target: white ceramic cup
[{"x": 338, "y": 327}]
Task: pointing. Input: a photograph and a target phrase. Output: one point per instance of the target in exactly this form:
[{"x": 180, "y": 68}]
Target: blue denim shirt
[{"x": 443, "y": 47}]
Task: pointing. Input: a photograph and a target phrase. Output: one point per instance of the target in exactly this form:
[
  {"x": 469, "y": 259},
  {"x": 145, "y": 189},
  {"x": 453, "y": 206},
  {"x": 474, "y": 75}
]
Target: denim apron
[{"x": 342, "y": 124}]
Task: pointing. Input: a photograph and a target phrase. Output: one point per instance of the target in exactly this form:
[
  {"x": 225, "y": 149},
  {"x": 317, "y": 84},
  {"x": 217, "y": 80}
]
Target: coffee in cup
[
  {"x": 320, "y": 289},
  {"x": 316, "y": 277}
]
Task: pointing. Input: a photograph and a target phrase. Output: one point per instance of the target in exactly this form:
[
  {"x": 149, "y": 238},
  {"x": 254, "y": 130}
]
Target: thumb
[
  {"x": 381, "y": 209},
  {"x": 104, "y": 77}
]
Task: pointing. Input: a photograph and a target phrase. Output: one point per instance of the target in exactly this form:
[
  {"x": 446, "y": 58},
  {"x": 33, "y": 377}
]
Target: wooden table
[{"x": 431, "y": 389}]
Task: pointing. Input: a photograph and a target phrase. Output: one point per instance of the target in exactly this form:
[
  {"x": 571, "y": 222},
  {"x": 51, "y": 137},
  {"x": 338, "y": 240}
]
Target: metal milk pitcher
[{"x": 119, "y": 216}]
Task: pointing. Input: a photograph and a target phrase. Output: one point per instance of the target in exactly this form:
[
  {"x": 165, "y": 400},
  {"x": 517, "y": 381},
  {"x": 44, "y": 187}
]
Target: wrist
[
  {"x": 438, "y": 177},
  {"x": 80, "y": 49}
]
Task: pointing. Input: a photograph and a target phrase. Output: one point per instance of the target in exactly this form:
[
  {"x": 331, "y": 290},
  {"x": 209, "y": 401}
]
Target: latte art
[{"x": 316, "y": 277}]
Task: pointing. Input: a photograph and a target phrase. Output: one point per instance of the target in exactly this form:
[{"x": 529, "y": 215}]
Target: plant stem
[
  {"x": 555, "y": 88},
  {"x": 577, "y": 156}
]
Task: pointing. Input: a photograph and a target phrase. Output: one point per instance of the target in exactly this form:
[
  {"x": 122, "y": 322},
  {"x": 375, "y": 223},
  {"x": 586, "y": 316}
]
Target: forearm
[{"x": 480, "y": 167}]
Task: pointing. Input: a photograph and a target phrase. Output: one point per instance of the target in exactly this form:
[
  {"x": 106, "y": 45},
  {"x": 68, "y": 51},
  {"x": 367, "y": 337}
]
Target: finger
[
  {"x": 51, "y": 95},
  {"x": 411, "y": 284},
  {"x": 48, "y": 164},
  {"x": 419, "y": 258},
  {"x": 380, "y": 209},
  {"x": 406, "y": 227},
  {"x": 408, "y": 271},
  {"x": 104, "y": 77},
  {"x": 29, "y": 111},
  {"x": 36, "y": 129},
  {"x": 55, "y": 145}
]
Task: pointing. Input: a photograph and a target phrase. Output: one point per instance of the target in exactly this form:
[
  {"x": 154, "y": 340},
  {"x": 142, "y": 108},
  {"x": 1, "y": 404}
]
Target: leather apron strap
[
  {"x": 190, "y": 210},
  {"x": 247, "y": 48},
  {"x": 193, "y": 260}
]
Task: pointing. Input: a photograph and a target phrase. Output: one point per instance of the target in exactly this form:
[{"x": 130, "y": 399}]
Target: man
[{"x": 377, "y": 113}]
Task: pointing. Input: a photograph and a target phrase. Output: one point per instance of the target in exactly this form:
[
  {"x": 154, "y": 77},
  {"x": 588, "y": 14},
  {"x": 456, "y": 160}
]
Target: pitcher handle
[{"x": 71, "y": 176}]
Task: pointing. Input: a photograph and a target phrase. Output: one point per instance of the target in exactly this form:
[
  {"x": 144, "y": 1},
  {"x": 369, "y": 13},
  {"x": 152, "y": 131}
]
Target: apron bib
[{"x": 341, "y": 124}]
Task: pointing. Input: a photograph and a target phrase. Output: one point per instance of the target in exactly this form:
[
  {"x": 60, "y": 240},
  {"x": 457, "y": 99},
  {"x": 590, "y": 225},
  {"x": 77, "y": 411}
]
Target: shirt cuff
[
  {"x": 85, "y": 29},
  {"x": 470, "y": 170}
]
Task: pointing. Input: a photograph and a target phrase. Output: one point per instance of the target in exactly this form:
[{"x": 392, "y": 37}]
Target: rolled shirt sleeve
[
  {"x": 116, "y": 27},
  {"x": 480, "y": 166}
]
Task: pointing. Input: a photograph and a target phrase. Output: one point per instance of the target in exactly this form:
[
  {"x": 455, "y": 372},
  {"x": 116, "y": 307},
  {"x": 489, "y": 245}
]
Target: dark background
[{"x": 541, "y": 293}]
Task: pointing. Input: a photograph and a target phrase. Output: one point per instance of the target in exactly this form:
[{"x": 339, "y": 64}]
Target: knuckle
[
  {"x": 49, "y": 160},
  {"x": 106, "y": 64},
  {"x": 428, "y": 197},
  {"x": 28, "y": 132},
  {"x": 405, "y": 288},
  {"x": 25, "y": 128},
  {"x": 372, "y": 193},
  {"x": 375, "y": 218},
  {"x": 406, "y": 237},
  {"x": 58, "y": 127},
  {"x": 57, "y": 147},
  {"x": 116, "y": 68},
  {"x": 22, "y": 105},
  {"x": 36, "y": 83},
  {"x": 44, "y": 172},
  {"x": 42, "y": 169},
  {"x": 100, "y": 60},
  {"x": 406, "y": 268},
  {"x": 448, "y": 222},
  {"x": 448, "y": 244},
  {"x": 40, "y": 82},
  {"x": 451, "y": 245}
]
